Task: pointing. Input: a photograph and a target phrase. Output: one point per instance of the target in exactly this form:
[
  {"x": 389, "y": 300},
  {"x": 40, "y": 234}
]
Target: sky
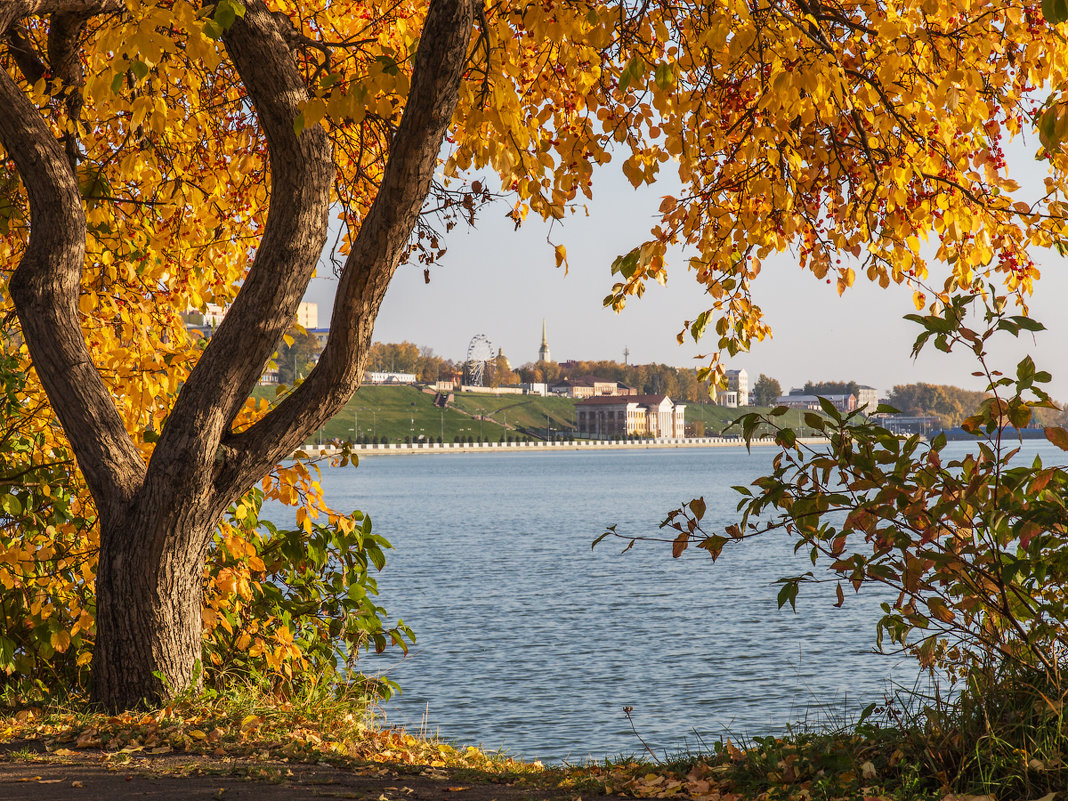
[{"x": 502, "y": 283}]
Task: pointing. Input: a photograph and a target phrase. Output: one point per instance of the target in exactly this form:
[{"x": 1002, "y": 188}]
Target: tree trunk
[
  {"x": 149, "y": 589},
  {"x": 157, "y": 519}
]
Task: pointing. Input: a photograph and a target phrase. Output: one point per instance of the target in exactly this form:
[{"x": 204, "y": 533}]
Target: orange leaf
[
  {"x": 680, "y": 544},
  {"x": 1058, "y": 436}
]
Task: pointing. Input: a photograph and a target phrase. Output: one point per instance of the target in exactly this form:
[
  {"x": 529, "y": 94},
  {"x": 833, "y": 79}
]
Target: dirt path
[{"x": 27, "y": 774}]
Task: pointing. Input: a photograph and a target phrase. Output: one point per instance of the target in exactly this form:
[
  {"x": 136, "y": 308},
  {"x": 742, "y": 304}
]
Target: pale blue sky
[{"x": 501, "y": 283}]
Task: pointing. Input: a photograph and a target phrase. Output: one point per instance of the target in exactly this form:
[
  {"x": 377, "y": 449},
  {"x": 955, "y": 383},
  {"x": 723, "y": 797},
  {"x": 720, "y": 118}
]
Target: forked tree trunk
[{"x": 157, "y": 519}]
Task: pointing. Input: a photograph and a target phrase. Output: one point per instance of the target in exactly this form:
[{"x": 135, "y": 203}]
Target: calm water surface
[{"x": 530, "y": 641}]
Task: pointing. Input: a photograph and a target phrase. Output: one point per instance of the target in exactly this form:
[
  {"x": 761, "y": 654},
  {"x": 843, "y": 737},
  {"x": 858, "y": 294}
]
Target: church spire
[{"x": 543, "y": 351}]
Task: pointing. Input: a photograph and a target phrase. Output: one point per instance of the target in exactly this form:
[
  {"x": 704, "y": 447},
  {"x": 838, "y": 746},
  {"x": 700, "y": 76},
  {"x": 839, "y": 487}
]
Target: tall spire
[{"x": 543, "y": 351}]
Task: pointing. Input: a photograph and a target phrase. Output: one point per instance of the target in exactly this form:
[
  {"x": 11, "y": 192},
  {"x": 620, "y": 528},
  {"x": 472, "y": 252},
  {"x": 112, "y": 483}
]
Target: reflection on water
[{"x": 530, "y": 641}]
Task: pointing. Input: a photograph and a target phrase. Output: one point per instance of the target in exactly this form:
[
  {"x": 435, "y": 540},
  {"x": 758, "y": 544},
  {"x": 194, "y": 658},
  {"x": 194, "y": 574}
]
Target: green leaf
[
  {"x": 388, "y": 64},
  {"x": 664, "y": 77},
  {"x": 226, "y": 12},
  {"x": 1055, "y": 11},
  {"x": 827, "y": 406},
  {"x": 116, "y": 82},
  {"x": 1025, "y": 370},
  {"x": 629, "y": 73},
  {"x": 609, "y": 532},
  {"x": 11, "y": 505},
  {"x": 713, "y": 544},
  {"x": 788, "y": 593},
  {"x": 139, "y": 69},
  {"x": 697, "y": 329},
  {"x": 212, "y": 30},
  {"x": 298, "y": 123},
  {"x": 1027, "y": 324}
]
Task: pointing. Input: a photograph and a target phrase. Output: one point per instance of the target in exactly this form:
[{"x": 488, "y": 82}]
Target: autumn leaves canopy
[{"x": 162, "y": 154}]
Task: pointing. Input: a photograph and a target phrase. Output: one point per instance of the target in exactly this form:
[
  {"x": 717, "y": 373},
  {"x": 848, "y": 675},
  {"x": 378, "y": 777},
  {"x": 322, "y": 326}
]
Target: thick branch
[
  {"x": 295, "y": 233},
  {"x": 25, "y": 54},
  {"x": 377, "y": 250},
  {"x": 12, "y": 10},
  {"x": 64, "y": 54},
  {"x": 45, "y": 290}
]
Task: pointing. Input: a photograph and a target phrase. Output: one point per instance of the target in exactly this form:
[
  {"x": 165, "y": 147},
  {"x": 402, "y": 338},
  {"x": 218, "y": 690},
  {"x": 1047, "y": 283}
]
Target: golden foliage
[{"x": 866, "y": 137}]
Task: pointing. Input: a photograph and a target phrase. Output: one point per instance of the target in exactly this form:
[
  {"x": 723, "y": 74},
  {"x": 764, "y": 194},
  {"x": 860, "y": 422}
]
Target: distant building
[
  {"x": 205, "y": 322},
  {"x": 737, "y": 393},
  {"x": 543, "y": 351},
  {"x": 910, "y": 424},
  {"x": 589, "y": 387},
  {"x": 728, "y": 398},
  {"x": 641, "y": 415},
  {"x": 798, "y": 400},
  {"x": 869, "y": 397},
  {"x": 321, "y": 335},
  {"x": 308, "y": 315},
  {"x": 389, "y": 378}
]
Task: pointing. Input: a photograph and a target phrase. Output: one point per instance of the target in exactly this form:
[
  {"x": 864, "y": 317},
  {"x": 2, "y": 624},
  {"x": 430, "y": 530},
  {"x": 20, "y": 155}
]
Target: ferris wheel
[{"x": 479, "y": 352}]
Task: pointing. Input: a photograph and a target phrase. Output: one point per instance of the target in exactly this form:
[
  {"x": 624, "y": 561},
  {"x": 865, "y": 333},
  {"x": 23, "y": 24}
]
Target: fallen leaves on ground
[{"x": 272, "y": 735}]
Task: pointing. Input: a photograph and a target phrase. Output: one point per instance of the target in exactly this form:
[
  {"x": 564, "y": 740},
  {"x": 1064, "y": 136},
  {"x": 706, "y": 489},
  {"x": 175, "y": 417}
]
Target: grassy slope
[{"x": 400, "y": 411}]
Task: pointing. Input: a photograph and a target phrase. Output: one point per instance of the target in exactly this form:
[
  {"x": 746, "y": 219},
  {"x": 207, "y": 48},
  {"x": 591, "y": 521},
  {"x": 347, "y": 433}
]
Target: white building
[
  {"x": 623, "y": 415},
  {"x": 738, "y": 384},
  {"x": 389, "y": 378},
  {"x": 308, "y": 315},
  {"x": 869, "y": 397}
]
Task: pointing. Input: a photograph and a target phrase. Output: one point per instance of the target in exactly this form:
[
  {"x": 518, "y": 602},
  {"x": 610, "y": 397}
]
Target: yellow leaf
[
  {"x": 60, "y": 640},
  {"x": 250, "y": 723}
]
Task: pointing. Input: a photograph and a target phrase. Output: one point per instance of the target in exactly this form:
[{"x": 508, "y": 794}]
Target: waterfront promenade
[{"x": 403, "y": 449}]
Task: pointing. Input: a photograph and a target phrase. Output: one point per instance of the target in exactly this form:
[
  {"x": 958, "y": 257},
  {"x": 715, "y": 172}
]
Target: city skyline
[{"x": 501, "y": 282}]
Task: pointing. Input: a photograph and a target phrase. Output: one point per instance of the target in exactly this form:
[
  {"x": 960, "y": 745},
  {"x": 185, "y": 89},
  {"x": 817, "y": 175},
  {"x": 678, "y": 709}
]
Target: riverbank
[
  {"x": 401, "y": 449},
  {"x": 204, "y": 748}
]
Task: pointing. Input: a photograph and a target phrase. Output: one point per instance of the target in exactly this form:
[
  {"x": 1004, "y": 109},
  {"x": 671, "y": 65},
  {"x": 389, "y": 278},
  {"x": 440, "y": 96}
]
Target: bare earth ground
[{"x": 28, "y": 773}]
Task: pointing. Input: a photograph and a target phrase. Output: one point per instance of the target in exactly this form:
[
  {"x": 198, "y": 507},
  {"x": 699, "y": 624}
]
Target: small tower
[{"x": 543, "y": 351}]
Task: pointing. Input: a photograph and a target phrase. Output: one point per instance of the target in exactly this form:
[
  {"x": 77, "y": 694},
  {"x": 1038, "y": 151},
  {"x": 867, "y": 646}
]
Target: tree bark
[{"x": 156, "y": 520}]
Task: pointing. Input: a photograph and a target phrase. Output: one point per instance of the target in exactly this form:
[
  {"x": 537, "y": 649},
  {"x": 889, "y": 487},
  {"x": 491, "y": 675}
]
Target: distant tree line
[{"x": 680, "y": 383}]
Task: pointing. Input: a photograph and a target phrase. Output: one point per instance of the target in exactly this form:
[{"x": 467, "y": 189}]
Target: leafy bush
[
  {"x": 975, "y": 548},
  {"x": 47, "y": 549},
  {"x": 294, "y": 603},
  {"x": 284, "y": 606}
]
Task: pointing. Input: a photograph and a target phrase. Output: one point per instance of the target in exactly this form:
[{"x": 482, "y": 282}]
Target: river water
[{"x": 530, "y": 641}]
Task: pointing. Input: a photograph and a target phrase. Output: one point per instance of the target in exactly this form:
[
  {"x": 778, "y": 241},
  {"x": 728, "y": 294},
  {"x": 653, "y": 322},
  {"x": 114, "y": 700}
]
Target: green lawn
[{"x": 398, "y": 412}]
